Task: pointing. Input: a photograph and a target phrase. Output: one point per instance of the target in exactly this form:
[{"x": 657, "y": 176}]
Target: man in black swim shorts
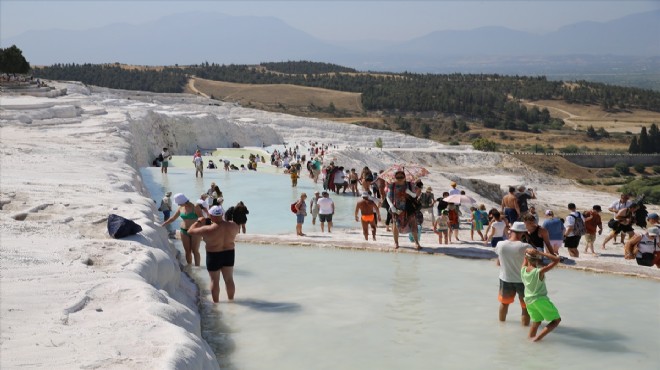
[{"x": 219, "y": 238}]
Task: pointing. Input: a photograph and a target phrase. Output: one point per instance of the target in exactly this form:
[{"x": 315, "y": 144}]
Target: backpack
[
  {"x": 119, "y": 227},
  {"x": 578, "y": 227},
  {"x": 426, "y": 199},
  {"x": 293, "y": 207},
  {"x": 484, "y": 217}
]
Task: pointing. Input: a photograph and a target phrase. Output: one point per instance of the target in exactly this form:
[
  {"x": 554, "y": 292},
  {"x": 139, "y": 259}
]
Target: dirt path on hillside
[
  {"x": 567, "y": 120},
  {"x": 191, "y": 86}
]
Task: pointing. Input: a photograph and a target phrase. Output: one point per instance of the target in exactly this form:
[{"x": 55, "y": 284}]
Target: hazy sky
[{"x": 328, "y": 20}]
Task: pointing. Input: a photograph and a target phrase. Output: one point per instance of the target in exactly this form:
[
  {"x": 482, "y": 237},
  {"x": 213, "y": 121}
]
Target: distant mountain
[
  {"x": 634, "y": 35},
  {"x": 193, "y": 38},
  {"x": 179, "y": 39}
]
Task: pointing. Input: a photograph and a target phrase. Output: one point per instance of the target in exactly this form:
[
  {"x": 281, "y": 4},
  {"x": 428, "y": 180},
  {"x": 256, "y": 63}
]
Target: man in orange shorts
[
  {"x": 510, "y": 256},
  {"x": 369, "y": 210}
]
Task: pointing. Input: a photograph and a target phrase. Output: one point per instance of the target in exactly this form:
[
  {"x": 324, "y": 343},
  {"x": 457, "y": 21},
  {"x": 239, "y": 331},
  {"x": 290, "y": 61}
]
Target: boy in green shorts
[{"x": 538, "y": 304}]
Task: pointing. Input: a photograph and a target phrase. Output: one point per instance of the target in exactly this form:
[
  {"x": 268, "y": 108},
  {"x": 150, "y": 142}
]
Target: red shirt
[
  {"x": 594, "y": 223},
  {"x": 453, "y": 217}
]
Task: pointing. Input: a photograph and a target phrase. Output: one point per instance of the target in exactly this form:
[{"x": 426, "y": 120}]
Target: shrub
[
  {"x": 639, "y": 168},
  {"x": 622, "y": 168},
  {"x": 454, "y": 142},
  {"x": 656, "y": 169},
  {"x": 570, "y": 149},
  {"x": 650, "y": 187},
  {"x": 484, "y": 145}
]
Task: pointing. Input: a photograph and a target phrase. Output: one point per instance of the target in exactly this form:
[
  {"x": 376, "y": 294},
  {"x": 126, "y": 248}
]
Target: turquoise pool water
[{"x": 320, "y": 308}]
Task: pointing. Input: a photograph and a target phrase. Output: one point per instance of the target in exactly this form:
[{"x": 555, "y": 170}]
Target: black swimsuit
[
  {"x": 216, "y": 260},
  {"x": 536, "y": 240}
]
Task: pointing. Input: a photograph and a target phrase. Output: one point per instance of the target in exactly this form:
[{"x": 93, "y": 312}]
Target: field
[
  {"x": 580, "y": 116},
  {"x": 297, "y": 100}
]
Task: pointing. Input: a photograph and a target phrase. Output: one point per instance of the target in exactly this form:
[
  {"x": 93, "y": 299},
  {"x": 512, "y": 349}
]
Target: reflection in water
[
  {"x": 217, "y": 334},
  {"x": 405, "y": 310},
  {"x": 265, "y": 306},
  {"x": 601, "y": 340}
]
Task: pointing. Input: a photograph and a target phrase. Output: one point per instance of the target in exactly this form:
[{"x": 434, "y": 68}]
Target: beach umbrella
[
  {"x": 413, "y": 172},
  {"x": 459, "y": 199}
]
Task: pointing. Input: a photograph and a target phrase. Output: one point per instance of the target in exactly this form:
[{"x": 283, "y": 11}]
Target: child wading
[{"x": 538, "y": 304}]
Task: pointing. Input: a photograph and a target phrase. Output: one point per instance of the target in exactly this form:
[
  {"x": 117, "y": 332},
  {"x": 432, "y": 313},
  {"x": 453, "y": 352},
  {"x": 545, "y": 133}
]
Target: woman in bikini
[
  {"x": 366, "y": 178},
  {"x": 189, "y": 214}
]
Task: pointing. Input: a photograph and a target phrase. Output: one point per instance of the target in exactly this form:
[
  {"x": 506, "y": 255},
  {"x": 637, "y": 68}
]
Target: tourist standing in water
[
  {"x": 166, "y": 205},
  {"x": 301, "y": 212},
  {"x": 326, "y": 210},
  {"x": 189, "y": 213},
  {"x": 199, "y": 164},
  {"x": 403, "y": 219},
  {"x": 510, "y": 257},
  {"x": 240, "y": 215},
  {"x": 539, "y": 306},
  {"x": 220, "y": 240},
  {"x": 166, "y": 160},
  {"x": 369, "y": 212},
  {"x": 314, "y": 206}
]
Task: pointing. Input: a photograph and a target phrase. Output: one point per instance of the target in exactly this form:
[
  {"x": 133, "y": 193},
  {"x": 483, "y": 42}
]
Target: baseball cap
[
  {"x": 653, "y": 230},
  {"x": 216, "y": 211},
  {"x": 652, "y": 216},
  {"x": 548, "y": 212}
]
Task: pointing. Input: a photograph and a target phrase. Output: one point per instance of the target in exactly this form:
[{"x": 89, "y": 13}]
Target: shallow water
[
  {"x": 306, "y": 307},
  {"x": 267, "y": 196}
]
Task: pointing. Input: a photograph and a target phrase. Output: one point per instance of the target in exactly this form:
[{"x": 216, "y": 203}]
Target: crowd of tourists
[
  {"x": 527, "y": 242},
  {"x": 407, "y": 204}
]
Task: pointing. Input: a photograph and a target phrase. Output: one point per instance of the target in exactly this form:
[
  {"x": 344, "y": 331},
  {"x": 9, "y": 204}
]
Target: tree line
[
  {"x": 13, "y": 61},
  {"x": 492, "y": 99},
  {"x": 647, "y": 142},
  {"x": 167, "y": 80}
]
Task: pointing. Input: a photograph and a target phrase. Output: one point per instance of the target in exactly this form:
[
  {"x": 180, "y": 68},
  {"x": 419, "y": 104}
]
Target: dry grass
[
  {"x": 558, "y": 139},
  {"x": 581, "y": 116},
  {"x": 281, "y": 97}
]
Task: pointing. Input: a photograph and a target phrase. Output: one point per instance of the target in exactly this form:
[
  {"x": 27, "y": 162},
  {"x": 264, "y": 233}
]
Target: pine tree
[
  {"x": 644, "y": 142},
  {"x": 654, "y": 136},
  {"x": 634, "y": 147}
]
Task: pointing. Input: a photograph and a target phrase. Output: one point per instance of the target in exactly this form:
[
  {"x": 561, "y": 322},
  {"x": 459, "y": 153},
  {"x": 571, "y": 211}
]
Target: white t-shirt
[
  {"x": 511, "y": 255},
  {"x": 570, "y": 221},
  {"x": 498, "y": 226},
  {"x": 339, "y": 177},
  {"x": 198, "y": 161},
  {"x": 619, "y": 206},
  {"x": 326, "y": 206}
]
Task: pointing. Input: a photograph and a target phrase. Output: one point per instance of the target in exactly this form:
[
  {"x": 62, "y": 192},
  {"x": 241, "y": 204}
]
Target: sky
[{"x": 327, "y": 20}]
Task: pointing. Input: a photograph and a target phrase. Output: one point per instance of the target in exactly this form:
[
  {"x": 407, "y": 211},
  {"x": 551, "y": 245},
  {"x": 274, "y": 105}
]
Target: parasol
[
  {"x": 413, "y": 172},
  {"x": 459, "y": 199}
]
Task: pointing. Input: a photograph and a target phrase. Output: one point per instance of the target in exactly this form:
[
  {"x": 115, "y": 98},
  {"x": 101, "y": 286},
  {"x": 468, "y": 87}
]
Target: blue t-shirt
[{"x": 555, "y": 228}]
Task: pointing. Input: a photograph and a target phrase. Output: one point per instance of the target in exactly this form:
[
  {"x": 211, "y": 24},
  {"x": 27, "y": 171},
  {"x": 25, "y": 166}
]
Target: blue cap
[{"x": 652, "y": 216}]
